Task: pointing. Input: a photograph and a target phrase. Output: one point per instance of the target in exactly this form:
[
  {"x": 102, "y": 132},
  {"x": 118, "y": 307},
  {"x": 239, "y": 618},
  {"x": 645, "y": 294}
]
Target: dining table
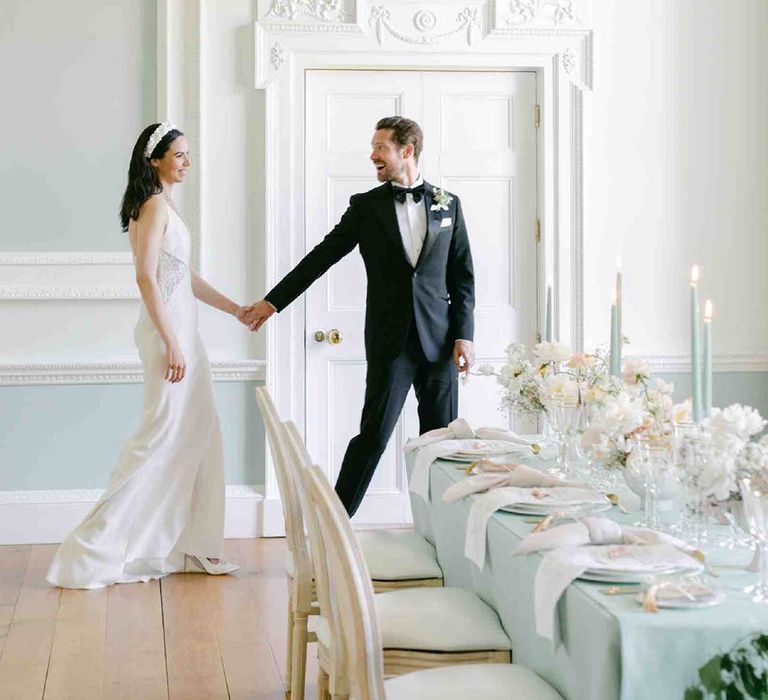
[{"x": 606, "y": 646}]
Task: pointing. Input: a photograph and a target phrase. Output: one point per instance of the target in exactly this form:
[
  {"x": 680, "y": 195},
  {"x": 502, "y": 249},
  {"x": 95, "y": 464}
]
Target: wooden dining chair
[
  {"x": 356, "y": 617},
  {"x": 302, "y": 596},
  {"x": 401, "y": 560},
  {"x": 421, "y": 627}
]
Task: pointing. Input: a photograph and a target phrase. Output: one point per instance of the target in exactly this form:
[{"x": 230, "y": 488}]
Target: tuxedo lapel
[
  {"x": 384, "y": 206},
  {"x": 433, "y": 223}
]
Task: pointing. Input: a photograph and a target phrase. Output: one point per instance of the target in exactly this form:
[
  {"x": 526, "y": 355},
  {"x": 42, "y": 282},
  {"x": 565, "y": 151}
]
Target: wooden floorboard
[
  {"x": 27, "y": 649},
  {"x": 134, "y": 649},
  {"x": 184, "y": 637}
]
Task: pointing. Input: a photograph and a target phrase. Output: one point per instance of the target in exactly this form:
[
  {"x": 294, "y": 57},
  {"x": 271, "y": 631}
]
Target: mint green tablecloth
[{"x": 610, "y": 648}]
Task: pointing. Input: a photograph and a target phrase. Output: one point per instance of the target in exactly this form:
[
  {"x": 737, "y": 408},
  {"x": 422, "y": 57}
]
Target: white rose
[
  {"x": 635, "y": 371},
  {"x": 560, "y": 387},
  {"x": 551, "y": 352},
  {"x": 738, "y": 420},
  {"x": 486, "y": 370}
]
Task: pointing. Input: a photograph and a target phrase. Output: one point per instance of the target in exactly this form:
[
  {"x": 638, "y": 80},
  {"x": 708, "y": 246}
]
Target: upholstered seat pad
[
  {"x": 477, "y": 681},
  {"x": 392, "y": 556},
  {"x": 398, "y": 556},
  {"x": 432, "y": 619}
]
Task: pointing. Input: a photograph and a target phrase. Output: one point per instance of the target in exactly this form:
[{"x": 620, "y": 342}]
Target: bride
[{"x": 163, "y": 510}]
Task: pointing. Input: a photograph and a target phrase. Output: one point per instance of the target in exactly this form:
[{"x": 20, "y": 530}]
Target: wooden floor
[{"x": 186, "y": 637}]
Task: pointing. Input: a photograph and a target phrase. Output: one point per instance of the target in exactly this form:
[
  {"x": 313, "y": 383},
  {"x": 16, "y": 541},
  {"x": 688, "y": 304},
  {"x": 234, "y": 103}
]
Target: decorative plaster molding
[
  {"x": 277, "y": 56},
  {"x": 322, "y": 10},
  {"x": 56, "y": 496},
  {"x": 77, "y": 293},
  {"x": 122, "y": 372},
  {"x": 381, "y": 19},
  {"x": 730, "y": 362},
  {"x": 557, "y": 12},
  {"x": 568, "y": 61},
  {"x": 74, "y": 258}
]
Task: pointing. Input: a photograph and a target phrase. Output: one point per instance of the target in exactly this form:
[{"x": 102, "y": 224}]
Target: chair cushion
[
  {"x": 476, "y": 681},
  {"x": 319, "y": 625},
  {"x": 398, "y": 556},
  {"x": 438, "y": 619}
]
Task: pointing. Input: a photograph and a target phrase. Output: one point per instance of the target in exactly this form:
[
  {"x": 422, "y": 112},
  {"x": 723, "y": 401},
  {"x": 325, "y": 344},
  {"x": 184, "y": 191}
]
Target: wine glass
[
  {"x": 754, "y": 494},
  {"x": 654, "y": 459},
  {"x": 565, "y": 415}
]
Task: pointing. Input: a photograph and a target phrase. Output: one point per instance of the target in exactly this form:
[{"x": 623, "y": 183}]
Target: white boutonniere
[{"x": 441, "y": 200}]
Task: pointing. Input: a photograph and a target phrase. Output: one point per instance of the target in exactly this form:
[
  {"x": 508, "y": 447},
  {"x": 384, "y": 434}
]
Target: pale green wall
[
  {"x": 78, "y": 85},
  {"x": 68, "y": 437},
  {"x": 750, "y": 388}
]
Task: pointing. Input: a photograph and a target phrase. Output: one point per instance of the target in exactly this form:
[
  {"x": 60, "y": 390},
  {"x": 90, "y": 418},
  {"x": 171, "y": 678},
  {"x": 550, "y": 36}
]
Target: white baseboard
[
  {"x": 46, "y": 517},
  {"x": 273, "y": 521}
]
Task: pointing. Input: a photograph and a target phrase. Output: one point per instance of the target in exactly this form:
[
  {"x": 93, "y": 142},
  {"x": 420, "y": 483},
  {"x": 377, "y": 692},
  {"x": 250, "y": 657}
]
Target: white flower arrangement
[
  {"x": 726, "y": 451},
  {"x": 637, "y": 406},
  {"x": 441, "y": 200}
]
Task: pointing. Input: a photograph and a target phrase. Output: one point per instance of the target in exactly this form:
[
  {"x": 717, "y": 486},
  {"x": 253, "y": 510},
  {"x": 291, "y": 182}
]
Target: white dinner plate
[
  {"x": 467, "y": 459},
  {"x": 619, "y": 576},
  {"x": 540, "y": 509},
  {"x": 665, "y": 599}
]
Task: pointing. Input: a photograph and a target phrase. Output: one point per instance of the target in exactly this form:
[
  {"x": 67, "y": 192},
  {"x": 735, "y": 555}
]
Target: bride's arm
[
  {"x": 149, "y": 235},
  {"x": 213, "y": 297}
]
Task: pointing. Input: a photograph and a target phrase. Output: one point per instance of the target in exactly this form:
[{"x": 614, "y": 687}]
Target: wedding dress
[{"x": 166, "y": 495}]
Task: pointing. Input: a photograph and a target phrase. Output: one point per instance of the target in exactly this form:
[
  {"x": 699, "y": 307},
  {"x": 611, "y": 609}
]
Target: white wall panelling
[
  {"x": 124, "y": 372},
  {"x": 40, "y": 517},
  {"x": 551, "y": 37}
]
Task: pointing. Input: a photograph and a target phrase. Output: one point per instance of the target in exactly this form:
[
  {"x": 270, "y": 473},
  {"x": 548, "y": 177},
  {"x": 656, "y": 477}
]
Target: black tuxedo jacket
[{"x": 438, "y": 294}]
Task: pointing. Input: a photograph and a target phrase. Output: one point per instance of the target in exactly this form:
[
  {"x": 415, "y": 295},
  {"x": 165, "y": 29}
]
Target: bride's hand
[
  {"x": 240, "y": 314},
  {"x": 175, "y": 363}
]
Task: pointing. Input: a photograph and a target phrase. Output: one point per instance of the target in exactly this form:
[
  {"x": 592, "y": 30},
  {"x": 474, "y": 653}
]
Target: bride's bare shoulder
[{"x": 154, "y": 209}]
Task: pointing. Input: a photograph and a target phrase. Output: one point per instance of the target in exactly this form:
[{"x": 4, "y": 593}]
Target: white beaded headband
[{"x": 157, "y": 137}]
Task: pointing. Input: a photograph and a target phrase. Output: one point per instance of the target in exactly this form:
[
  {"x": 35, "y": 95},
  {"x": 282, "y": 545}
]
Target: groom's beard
[{"x": 391, "y": 173}]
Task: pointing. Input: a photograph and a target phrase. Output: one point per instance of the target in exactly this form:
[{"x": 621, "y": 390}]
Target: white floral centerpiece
[
  {"x": 728, "y": 451},
  {"x": 637, "y": 406},
  {"x": 554, "y": 373}
]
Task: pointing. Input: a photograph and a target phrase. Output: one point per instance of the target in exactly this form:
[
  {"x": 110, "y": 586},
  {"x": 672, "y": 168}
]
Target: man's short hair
[{"x": 404, "y": 131}]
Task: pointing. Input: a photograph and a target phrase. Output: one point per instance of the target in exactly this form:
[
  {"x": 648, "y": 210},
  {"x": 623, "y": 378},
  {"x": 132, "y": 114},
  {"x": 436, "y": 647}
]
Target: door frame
[{"x": 557, "y": 49}]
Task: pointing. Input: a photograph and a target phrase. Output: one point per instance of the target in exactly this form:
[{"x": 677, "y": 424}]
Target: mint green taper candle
[
  {"x": 615, "y": 363},
  {"x": 708, "y": 358},
  {"x": 695, "y": 346}
]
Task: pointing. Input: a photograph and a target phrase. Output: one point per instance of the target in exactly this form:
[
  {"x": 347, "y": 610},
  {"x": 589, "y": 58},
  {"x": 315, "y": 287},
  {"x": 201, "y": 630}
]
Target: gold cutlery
[
  {"x": 613, "y": 498},
  {"x": 622, "y": 590}
]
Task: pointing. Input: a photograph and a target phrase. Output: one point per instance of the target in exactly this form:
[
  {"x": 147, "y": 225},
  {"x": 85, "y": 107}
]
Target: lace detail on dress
[{"x": 170, "y": 272}]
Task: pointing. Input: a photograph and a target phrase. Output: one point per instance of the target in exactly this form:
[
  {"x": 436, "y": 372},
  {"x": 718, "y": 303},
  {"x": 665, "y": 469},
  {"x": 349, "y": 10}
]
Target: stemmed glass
[
  {"x": 565, "y": 416},
  {"x": 754, "y": 494},
  {"x": 655, "y": 461}
]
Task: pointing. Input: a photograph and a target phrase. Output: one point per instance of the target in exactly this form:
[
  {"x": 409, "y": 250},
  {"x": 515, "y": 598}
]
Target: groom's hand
[
  {"x": 463, "y": 355},
  {"x": 258, "y": 313}
]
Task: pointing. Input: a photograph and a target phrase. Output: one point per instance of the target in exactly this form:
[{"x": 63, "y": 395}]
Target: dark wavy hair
[{"x": 142, "y": 177}]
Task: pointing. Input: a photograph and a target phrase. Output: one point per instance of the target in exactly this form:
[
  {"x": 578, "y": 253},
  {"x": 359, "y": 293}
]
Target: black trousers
[{"x": 386, "y": 388}]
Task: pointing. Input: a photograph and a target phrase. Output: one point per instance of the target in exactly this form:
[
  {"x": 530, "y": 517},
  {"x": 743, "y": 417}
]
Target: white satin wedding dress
[{"x": 166, "y": 495}]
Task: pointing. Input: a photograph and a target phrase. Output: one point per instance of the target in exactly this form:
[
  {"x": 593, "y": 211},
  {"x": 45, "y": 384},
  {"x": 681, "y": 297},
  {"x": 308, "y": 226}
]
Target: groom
[{"x": 421, "y": 295}]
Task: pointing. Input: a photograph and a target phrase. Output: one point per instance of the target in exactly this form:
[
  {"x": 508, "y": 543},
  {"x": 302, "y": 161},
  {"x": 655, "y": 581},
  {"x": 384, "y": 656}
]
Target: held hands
[
  {"x": 257, "y": 313},
  {"x": 463, "y": 355},
  {"x": 176, "y": 365}
]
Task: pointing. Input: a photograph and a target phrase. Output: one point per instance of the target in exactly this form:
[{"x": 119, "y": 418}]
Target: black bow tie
[{"x": 400, "y": 192}]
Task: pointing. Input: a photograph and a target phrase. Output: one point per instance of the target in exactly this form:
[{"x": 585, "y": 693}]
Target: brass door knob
[
  {"x": 335, "y": 336},
  {"x": 319, "y": 336}
]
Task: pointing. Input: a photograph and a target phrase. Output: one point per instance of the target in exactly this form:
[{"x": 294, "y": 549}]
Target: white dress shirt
[{"x": 412, "y": 221}]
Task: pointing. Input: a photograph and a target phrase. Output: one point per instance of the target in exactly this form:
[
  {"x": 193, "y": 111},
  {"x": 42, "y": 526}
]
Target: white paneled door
[{"x": 479, "y": 142}]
